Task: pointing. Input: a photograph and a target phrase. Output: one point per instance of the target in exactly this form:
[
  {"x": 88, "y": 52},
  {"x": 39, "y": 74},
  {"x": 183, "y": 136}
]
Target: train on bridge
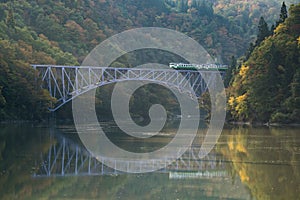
[{"x": 210, "y": 67}]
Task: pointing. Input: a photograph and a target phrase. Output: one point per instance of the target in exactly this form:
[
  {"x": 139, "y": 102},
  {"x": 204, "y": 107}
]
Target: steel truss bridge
[
  {"x": 67, "y": 158},
  {"x": 67, "y": 82}
]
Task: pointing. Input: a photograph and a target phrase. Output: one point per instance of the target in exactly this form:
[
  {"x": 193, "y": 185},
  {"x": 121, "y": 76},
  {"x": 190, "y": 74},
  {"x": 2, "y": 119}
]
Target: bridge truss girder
[
  {"x": 66, "y": 158},
  {"x": 67, "y": 82}
]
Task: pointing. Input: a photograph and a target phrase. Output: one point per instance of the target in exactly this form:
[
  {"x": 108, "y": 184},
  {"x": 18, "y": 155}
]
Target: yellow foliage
[
  {"x": 240, "y": 148},
  {"x": 243, "y": 71},
  {"x": 243, "y": 175},
  {"x": 231, "y": 101},
  {"x": 231, "y": 144},
  {"x": 280, "y": 28},
  {"x": 241, "y": 98},
  {"x": 241, "y": 103},
  {"x": 236, "y": 146},
  {"x": 298, "y": 39}
]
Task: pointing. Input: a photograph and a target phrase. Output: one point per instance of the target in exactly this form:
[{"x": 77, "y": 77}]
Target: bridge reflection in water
[{"x": 65, "y": 157}]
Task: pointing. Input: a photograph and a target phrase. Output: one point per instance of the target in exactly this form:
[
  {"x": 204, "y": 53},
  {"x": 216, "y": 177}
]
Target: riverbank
[
  {"x": 52, "y": 120},
  {"x": 264, "y": 124}
]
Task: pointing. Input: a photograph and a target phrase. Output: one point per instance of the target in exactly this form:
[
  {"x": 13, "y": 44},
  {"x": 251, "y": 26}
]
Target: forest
[
  {"x": 265, "y": 87},
  {"x": 64, "y": 32}
]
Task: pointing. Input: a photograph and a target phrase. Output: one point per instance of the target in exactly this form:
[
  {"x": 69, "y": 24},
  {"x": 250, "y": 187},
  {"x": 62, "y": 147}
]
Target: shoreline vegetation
[
  {"x": 264, "y": 124},
  {"x": 70, "y": 121}
]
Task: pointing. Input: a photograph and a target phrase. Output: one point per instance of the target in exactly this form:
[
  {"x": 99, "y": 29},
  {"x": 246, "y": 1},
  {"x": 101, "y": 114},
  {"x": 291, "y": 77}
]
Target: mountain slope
[
  {"x": 64, "y": 32},
  {"x": 266, "y": 87}
]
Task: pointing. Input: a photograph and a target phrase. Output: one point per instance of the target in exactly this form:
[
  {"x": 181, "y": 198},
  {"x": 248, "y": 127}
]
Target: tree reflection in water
[
  {"x": 263, "y": 164},
  {"x": 267, "y": 160}
]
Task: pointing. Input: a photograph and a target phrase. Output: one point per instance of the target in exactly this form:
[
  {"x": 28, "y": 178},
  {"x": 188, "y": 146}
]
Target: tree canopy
[
  {"x": 266, "y": 86},
  {"x": 64, "y": 32}
]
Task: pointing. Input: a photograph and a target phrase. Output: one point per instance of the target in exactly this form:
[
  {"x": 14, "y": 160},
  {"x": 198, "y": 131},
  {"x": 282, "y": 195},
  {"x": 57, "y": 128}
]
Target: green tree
[
  {"x": 283, "y": 14},
  {"x": 266, "y": 88},
  {"x": 249, "y": 51},
  {"x": 182, "y": 5},
  {"x": 230, "y": 71},
  {"x": 293, "y": 21},
  {"x": 263, "y": 31}
]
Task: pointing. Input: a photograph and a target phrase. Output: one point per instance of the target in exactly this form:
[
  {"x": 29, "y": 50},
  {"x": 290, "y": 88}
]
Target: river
[{"x": 39, "y": 162}]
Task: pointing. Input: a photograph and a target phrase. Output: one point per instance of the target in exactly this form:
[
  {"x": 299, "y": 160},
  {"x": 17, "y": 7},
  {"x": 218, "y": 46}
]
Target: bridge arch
[
  {"x": 65, "y": 157},
  {"x": 66, "y": 83}
]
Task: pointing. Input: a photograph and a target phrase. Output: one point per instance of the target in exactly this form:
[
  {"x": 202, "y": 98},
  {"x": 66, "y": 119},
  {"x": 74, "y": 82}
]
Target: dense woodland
[
  {"x": 64, "y": 32},
  {"x": 266, "y": 87}
]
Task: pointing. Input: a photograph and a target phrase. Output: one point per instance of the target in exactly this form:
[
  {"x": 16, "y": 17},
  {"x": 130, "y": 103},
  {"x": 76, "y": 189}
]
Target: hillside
[
  {"x": 266, "y": 88},
  {"x": 64, "y": 32},
  {"x": 246, "y": 13}
]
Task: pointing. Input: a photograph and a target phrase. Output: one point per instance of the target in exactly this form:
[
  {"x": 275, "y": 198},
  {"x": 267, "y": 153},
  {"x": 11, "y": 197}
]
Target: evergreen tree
[
  {"x": 10, "y": 19},
  {"x": 205, "y": 8},
  {"x": 182, "y": 5},
  {"x": 249, "y": 51},
  {"x": 263, "y": 31},
  {"x": 230, "y": 71},
  {"x": 283, "y": 13},
  {"x": 267, "y": 87},
  {"x": 195, "y": 4}
]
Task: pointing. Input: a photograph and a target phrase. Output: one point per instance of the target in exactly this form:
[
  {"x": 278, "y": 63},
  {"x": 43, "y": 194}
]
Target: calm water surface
[{"x": 47, "y": 162}]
